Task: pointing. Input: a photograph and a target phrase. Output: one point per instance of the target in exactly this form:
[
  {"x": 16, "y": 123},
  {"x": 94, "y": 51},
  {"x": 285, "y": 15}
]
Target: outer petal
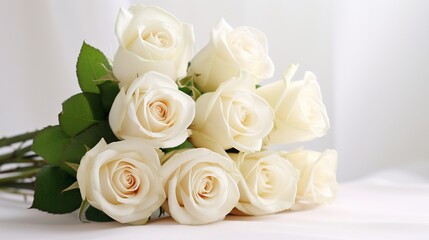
[
  {"x": 85, "y": 164},
  {"x": 182, "y": 171},
  {"x": 138, "y": 54},
  {"x": 98, "y": 183},
  {"x": 213, "y": 121},
  {"x": 131, "y": 115},
  {"x": 318, "y": 184},
  {"x": 127, "y": 66},
  {"x": 300, "y": 114},
  {"x": 282, "y": 186},
  {"x": 122, "y": 22},
  {"x": 223, "y": 58}
]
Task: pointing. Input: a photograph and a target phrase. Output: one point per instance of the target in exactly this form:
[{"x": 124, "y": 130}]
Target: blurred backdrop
[{"x": 370, "y": 58}]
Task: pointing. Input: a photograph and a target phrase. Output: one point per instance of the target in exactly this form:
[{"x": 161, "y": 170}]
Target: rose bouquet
[{"x": 158, "y": 131}]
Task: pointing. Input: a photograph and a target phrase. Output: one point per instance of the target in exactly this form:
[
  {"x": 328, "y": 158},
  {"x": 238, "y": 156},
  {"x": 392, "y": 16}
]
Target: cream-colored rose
[
  {"x": 232, "y": 117},
  {"x": 268, "y": 184},
  {"x": 122, "y": 180},
  {"x": 300, "y": 114},
  {"x": 229, "y": 52},
  {"x": 154, "y": 110},
  {"x": 200, "y": 185},
  {"x": 151, "y": 39},
  {"x": 318, "y": 182}
]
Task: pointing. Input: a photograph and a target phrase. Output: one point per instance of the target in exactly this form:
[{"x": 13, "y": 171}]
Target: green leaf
[
  {"x": 184, "y": 145},
  {"x": 91, "y": 66},
  {"x": 81, "y": 111},
  {"x": 59, "y": 149},
  {"x": 50, "y": 144},
  {"x": 108, "y": 92},
  {"x": 49, "y": 196},
  {"x": 78, "y": 145},
  {"x": 95, "y": 215}
]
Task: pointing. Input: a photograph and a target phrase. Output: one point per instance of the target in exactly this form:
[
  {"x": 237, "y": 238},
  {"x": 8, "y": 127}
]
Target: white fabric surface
[{"x": 391, "y": 204}]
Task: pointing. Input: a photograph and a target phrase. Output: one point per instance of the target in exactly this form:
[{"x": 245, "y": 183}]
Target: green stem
[
  {"x": 7, "y": 141},
  {"x": 19, "y": 165},
  {"x": 17, "y": 185},
  {"x": 32, "y": 160},
  {"x": 18, "y": 153},
  {"x": 20, "y": 175},
  {"x": 20, "y": 169},
  {"x": 19, "y": 162}
]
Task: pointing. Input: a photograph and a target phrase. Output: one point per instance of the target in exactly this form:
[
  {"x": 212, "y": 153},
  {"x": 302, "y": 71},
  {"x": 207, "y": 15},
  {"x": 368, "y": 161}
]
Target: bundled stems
[
  {"x": 18, "y": 164},
  {"x": 8, "y": 141}
]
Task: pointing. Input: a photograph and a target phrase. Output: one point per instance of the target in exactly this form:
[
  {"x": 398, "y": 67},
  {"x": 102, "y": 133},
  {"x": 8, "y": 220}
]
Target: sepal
[
  {"x": 188, "y": 86},
  {"x": 88, "y": 213}
]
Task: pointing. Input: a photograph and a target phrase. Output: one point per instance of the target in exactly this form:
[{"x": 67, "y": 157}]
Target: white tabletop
[{"x": 391, "y": 204}]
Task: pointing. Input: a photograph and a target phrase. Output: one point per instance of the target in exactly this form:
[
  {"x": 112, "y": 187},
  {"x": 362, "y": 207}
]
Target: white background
[{"x": 371, "y": 59}]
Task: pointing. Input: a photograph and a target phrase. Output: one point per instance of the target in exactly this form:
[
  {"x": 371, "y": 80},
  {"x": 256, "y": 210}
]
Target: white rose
[
  {"x": 318, "y": 183},
  {"x": 232, "y": 117},
  {"x": 229, "y": 52},
  {"x": 300, "y": 114},
  {"x": 154, "y": 110},
  {"x": 151, "y": 39},
  {"x": 122, "y": 180},
  {"x": 200, "y": 185},
  {"x": 268, "y": 185}
]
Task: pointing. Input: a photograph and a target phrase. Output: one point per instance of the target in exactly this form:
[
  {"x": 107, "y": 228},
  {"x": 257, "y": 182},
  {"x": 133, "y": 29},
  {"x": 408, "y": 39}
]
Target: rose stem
[
  {"x": 7, "y": 141},
  {"x": 20, "y": 175},
  {"x": 18, "y": 153}
]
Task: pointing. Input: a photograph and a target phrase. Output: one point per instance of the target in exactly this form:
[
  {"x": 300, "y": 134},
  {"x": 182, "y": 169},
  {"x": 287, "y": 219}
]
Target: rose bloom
[
  {"x": 233, "y": 116},
  {"x": 268, "y": 184},
  {"x": 229, "y": 52},
  {"x": 122, "y": 180},
  {"x": 200, "y": 184},
  {"x": 318, "y": 183},
  {"x": 300, "y": 114},
  {"x": 151, "y": 39},
  {"x": 154, "y": 110}
]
